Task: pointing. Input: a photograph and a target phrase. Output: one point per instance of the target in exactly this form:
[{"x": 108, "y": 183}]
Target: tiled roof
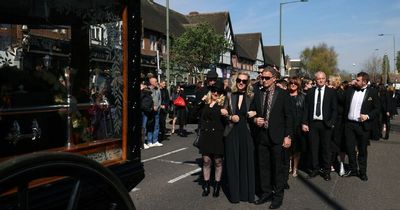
[
  {"x": 217, "y": 20},
  {"x": 272, "y": 55},
  {"x": 247, "y": 45},
  {"x": 154, "y": 18}
]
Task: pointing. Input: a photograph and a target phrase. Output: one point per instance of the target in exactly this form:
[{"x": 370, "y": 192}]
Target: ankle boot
[
  {"x": 206, "y": 188},
  {"x": 217, "y": 187}
]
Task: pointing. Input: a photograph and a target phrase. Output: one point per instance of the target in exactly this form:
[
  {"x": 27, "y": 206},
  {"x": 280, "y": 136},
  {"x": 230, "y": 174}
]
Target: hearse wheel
[{"x": 81, "y": 173}]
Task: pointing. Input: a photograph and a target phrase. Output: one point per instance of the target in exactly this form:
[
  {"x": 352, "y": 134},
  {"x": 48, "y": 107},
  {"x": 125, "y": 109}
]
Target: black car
[{"x": 190, "y": 97}]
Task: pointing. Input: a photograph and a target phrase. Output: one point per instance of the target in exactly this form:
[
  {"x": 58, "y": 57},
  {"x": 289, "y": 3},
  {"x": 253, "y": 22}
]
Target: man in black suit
[
  {"x": 273, "y": 133},
  {"x": 319, "y": 120},
  {"x": 361, "y": 108}
]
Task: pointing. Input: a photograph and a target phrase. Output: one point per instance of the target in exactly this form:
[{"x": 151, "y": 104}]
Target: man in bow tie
[{"x": 361, "y": 107}]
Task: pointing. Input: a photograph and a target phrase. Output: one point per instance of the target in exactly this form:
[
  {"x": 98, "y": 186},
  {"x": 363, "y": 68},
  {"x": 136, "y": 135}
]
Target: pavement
[{"x": 173, "y": 173}]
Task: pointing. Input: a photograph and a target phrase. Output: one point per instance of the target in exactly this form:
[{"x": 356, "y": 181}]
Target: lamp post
[
  {"x": 394, "y": 49},
  {"x": 168, "y": 42},
  {"x": 281, "y": 68}
]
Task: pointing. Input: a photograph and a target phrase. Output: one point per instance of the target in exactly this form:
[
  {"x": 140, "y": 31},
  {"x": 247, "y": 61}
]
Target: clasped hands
[{"x": 236, "y": 118}]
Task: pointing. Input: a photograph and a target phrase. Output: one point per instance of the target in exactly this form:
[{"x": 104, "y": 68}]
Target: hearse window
[{"x": 60, "y": 89}]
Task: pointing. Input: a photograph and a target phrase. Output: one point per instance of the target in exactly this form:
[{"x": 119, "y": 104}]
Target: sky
[{"x": 351, "y": 27}]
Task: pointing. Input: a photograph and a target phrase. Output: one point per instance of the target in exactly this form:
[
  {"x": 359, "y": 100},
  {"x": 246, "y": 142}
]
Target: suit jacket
[
  {"x": 231, "y": 104},
  {"x": 329, "y": 107},
  {"x": 281, "y": 115},
  {"x": 370, "y": 106}
]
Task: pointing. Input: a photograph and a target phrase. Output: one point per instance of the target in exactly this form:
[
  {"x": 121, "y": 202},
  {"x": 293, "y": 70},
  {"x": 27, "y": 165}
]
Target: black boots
[
  {"x": 217, "y": 187},
  {"x": 206, "y": 188}
]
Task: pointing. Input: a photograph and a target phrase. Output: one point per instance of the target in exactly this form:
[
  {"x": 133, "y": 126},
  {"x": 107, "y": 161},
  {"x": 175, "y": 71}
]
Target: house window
[
  {"x": 142, "y": 44},
  {"x": 153, "y": 42},
  {"x": 163, "y": 46}
]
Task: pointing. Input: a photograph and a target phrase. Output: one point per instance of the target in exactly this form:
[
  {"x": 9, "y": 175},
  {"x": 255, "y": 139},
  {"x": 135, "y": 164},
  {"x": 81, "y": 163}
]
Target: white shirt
[
  {"x": 355, "y": 106},
  {"x": 315, "y": 117}
]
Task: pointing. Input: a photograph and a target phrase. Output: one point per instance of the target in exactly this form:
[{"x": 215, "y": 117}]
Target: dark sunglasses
[
  {"x": 266, "y": 78},
  {"x": 241, "y": 80}
]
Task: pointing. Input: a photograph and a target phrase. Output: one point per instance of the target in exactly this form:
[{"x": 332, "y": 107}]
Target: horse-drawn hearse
[{"x": 69, "y": 104}]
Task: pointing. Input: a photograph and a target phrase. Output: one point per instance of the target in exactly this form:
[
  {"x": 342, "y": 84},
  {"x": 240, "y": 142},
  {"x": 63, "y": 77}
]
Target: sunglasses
[
  {"x": 241, "y": 80},
  {"x": 266, "y": 78}
]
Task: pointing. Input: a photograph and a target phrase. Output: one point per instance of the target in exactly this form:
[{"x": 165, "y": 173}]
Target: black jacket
[
  {"x": 146, "y": 101},
  {"x": 281, "y": 115},
  {"x": 329, "y": 107},
  {"x": 370, "y": 106}
]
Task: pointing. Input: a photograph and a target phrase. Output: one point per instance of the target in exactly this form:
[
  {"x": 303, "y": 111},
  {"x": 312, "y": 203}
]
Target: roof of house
[
  {"x": 272, "y": 55},
  {"x": 247, "y": 45},
  {"x": 217, "y": 20},
  {"x": 154, "y": 18}
]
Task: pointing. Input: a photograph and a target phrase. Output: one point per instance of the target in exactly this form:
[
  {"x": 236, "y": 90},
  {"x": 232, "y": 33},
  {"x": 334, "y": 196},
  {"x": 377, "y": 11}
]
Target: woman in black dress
[
  {"x": 211, "y": 143},
  {"x": 338, "y": 145},
  {"x": 239, "y": 147},
  {"x": 298, "y": 139}
]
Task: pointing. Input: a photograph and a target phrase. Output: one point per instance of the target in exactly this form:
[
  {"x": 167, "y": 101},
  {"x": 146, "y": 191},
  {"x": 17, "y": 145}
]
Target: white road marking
[
  {"x": 135, "y": 189},
  {"x": 177, "y": 162},
  {"x": 184, "y": 175},
  {"x": 168, "y": 153}
]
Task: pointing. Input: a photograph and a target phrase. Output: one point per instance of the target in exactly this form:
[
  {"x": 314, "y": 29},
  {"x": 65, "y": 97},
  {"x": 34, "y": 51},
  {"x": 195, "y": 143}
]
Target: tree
[
  {"x": 373, "y": 67},
  {"x": 198, "y": 48},
  {"x": 319, "y": 58},
  {"x": 385, "y": 69}
]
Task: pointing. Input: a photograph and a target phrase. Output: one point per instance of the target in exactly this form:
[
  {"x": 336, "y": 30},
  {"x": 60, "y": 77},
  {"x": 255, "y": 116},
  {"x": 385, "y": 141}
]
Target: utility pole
[{"x": 167, "y": 50}]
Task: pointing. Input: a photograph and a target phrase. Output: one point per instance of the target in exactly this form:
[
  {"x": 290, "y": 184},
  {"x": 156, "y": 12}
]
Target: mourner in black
[
  {"x": 211, "y": 145},
  {"x": 239, "y": 146},
  {"x": 318, "y": 120},
  {"x": 274, "y": 130},
  {"x": 361, "y": 107}
]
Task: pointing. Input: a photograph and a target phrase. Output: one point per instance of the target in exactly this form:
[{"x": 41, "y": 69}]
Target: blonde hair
[
  {"x": 249, "y": 87},
  {"x": 335, "y": 81},
  {"x": 220, "y": 100},
  {"x": 391, "y": 88}
]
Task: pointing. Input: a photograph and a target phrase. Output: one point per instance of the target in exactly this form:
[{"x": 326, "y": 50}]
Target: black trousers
[
  {"x": 270, "y": 164},
  {"x": 163, "y": 128},
  {"x": 320, "y": 144},
  {"x": 356, "y": 136}
]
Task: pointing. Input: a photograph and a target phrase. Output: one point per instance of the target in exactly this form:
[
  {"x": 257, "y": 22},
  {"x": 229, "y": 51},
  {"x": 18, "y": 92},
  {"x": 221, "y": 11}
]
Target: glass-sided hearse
[{"x": 69, "y": 95}]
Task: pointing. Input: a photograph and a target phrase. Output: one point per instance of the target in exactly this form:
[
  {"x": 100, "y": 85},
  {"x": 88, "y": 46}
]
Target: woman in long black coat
[
  {"x": 211, "y": 143},
  {"x": 239, "y": 146}
]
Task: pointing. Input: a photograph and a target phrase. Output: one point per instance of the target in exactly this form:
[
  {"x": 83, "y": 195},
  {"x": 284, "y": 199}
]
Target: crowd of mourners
[{"x": 257, "y": 133}]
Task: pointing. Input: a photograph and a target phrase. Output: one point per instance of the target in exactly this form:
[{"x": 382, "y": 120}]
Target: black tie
[
  {"x": 266, "y": 102},
  {"x": 318, "y": 111}
]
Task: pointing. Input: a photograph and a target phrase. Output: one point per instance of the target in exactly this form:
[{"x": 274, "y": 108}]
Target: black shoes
[
  {"x": 286, "y": 187},
  {"x": 364, "y": 177},
  {"x": 264, "y": 198},
  {"x": 327, "y": 177},
  {"x": 206, "y": 188},
  {"x": 217, "y": 187},
  {"x": 350, "y": 173},
  {"x": 313, "y": 174},
  {"x": 275, "y": 204}
]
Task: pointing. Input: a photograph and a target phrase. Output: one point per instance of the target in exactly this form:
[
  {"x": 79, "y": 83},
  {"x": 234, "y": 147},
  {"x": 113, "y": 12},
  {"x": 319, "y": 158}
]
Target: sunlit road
[{"x": 172, "y": 174}]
